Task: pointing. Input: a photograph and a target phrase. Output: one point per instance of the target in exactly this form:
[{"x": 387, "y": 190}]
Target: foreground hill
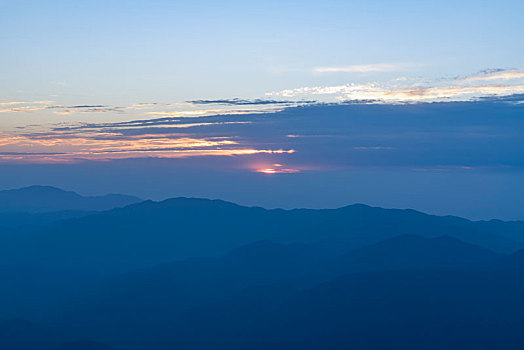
[
  {"x": 405, "y": 292},
  {"x": 21, "y": 334}
]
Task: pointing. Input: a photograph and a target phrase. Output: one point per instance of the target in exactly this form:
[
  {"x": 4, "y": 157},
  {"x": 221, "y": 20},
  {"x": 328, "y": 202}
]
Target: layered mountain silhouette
[
  {"x": 22, "y": 334},
  {"x": 39, "y": 199},
  {"x": 19, "y": 333},
  {"x": 190, "y": 273},
  {"x": 416, "y": 252},
  {"x": 270, "y": 295},
  {"x": 83, "y": 344},
  {"x": 149, "y": 232},
  {"x": 267, "y": 263}
]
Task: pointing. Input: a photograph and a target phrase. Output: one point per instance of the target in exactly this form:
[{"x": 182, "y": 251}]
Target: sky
[{"x": 414, "y": 104}]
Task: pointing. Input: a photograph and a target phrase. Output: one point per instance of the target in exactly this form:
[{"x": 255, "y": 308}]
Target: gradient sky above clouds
[
  {"x": 128, "y": 51},
  {"x": 235, "y": 99}
]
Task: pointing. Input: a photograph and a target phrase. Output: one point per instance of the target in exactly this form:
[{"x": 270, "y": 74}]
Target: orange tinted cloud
[{"x": 67, "y": 147}]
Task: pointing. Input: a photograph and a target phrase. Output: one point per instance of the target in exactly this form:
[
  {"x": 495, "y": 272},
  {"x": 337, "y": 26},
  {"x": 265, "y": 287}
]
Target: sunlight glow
[{"x": 277, "y": 171}]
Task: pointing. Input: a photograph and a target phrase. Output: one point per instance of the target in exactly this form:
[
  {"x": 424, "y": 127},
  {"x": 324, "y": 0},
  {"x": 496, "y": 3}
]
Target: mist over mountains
[
  {"x": 114, "y": 272},
  {"x": 261, "y": 175}
]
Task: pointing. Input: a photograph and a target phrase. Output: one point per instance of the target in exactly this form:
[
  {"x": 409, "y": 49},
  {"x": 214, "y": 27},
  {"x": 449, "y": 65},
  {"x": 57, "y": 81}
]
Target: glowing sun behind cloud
[{"x": 277, "y": 169}]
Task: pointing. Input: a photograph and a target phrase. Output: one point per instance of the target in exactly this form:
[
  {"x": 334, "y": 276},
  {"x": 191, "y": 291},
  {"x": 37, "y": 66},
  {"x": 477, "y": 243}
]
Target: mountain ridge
[
  {"x": 43, "y": 199},
  {"x": 149, "y": 232}
]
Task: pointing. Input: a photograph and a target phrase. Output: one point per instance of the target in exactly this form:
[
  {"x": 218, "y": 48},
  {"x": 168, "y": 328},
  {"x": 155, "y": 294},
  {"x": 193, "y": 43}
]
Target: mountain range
[{"x": 191, "y": 273}]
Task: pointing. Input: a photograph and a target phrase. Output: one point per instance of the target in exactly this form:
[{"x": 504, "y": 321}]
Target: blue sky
[
  {"x": 124, "y": 51},
  {"x": 402, "y": 104}
]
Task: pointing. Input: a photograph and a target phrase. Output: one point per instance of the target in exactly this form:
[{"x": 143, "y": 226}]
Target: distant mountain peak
[
  {"x": 42, "y": 198},
  {"x": 40, "y": 188},
  {"x": 413, "y": 251}
]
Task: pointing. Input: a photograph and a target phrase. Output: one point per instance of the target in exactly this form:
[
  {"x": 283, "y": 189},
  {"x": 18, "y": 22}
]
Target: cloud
[
  {"x": 72, "y": 147},
  {"x": 484, "y": 84},
  {"x": 240, "y": 102},
  {"x": 374, "y": 148},
  {"x": 24, "y": 106},
  {"x": 86, "y": 109},
  {"x": 213, "y": 112},
  {"x": 87, "y": 106},
  {"x": 496, "y": 74},
  {"x": 155, "y": 109},
  {"x": 159, "y": 123},
  {"x": 144, "y": 104},
  {"x": 328, "y": 127},
  {"x": 35, "y": 106},
  {"x": 316, "y": 137},
  {"x": 14, "y": 103},
  {"x": 22, "y": 109},
  {"x": 362, "y": 68},
  {"x": 73, "y": 157}
]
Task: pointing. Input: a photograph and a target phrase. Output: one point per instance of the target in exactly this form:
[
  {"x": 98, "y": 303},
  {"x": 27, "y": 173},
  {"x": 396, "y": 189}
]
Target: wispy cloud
[
  {"x": 212, "y": 112},
  {"x": 158, "y": 123},
  {"x": 496, "y": 74},
  {"x": 241, "y": 102},
  {"x": 72, "y": 147},
  {"x": 372, "y": 148},
  {"x": 186, "y": 109},
  {"x": 144, "y": 104},
  {"x": 254, "y": 128},
  {"x": 166, "y": 134},
  {"x": 488, "y": 83},
  {"x": 14, "y": 103},
  {"x": 21, "y": 107},
  {"x": 360, "y": 68},
  {"x": 86, "y": 109},
  {"x": 363, "y": 68},
  {"x": 35, "y": 106}
]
